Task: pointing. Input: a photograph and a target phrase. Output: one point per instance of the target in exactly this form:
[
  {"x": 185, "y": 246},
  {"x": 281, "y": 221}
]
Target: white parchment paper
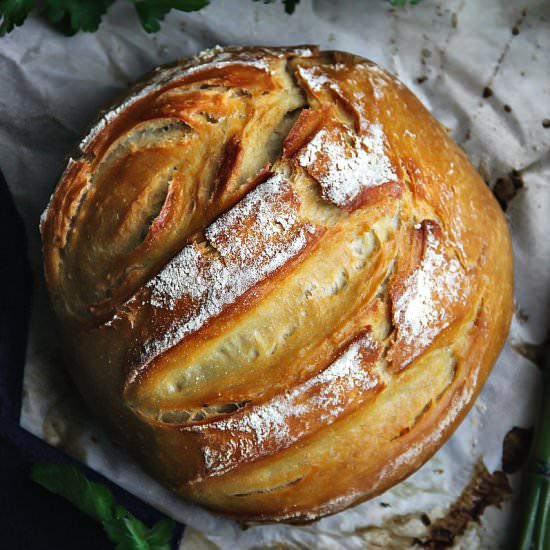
[{"x": 448, "y": 53}]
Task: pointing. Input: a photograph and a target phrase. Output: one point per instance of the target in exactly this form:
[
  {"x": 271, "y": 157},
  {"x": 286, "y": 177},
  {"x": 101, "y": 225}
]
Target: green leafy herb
[
  {"x": 151, "y": 12},
  {"x": 71, "y": 16},
  {"x": 96, "y": 501},
  {"x": 12, "y": 13},
  {"x": 130, "y": 534}
]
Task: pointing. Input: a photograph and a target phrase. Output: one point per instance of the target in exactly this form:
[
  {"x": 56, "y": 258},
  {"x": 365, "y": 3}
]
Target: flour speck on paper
[{"x": 480, "y": 67}]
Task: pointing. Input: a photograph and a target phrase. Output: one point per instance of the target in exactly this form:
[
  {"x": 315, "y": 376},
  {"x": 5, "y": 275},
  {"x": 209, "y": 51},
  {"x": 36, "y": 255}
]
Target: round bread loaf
[{"x": 281, "y": 284}]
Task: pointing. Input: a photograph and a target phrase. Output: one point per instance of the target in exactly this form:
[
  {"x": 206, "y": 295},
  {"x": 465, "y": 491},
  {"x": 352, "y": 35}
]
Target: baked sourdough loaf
[{"x": 281, "y": 284}]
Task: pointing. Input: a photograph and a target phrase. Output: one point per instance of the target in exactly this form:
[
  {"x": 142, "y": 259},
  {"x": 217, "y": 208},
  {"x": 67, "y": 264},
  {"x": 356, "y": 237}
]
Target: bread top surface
[{"x": 271, "y": 263}]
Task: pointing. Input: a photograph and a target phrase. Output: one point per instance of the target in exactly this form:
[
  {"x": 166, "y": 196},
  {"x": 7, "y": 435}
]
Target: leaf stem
[{"x": 534, "y": 504}]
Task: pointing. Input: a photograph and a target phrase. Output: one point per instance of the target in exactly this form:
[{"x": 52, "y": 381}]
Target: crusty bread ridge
[{"x": 273, "y": 268}]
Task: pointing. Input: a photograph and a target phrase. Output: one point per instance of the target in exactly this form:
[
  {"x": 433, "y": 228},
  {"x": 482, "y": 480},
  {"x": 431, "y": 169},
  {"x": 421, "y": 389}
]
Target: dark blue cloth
[{"x": 30, "y": 517}]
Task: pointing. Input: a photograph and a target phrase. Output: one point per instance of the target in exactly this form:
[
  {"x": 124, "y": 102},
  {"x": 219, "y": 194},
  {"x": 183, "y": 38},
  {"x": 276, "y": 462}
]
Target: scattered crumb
[
  {"x": 484, "y": 489},
  {"x": 421, "y": 79},
  {"x": 522, "y": 315},
  {"x": 515, "y": 448},
  {"x": 507, "y": 108},
  {"x": 546, "y": 123},
  {"x": 515, "y": 30},
  {"x": 425, "y": 519},
  {"x": 454, "y": 20},
  {"x": 426, "y": 53},
  {"x": 487, "y": 92},
  {"x": 385, "y": 505},
  {"x": 507, "y": 187}
]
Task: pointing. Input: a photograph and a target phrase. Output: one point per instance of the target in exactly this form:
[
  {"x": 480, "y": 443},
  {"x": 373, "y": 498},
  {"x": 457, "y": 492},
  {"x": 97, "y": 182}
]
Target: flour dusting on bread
[
  {"x": 428, "y": 299},
  {"x": 252, "y": 240},
  {"x": 284, "y": 419},
  {"x": 345, "y": 164}
]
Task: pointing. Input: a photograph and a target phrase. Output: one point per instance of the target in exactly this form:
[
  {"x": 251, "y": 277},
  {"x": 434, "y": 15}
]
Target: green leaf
[
  {"x": 151, "y": 12},
  {"x": 128, "y": 533},
  {"x": 94, "y": 499},
  {"x": 13, "y": 13},
  {"x": 150, "y": 16},
  {"x": 160, "y": 535},
  {"x": 71, "y": 16}
]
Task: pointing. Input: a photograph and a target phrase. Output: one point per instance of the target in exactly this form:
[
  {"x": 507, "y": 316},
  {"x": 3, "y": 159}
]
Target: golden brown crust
[{"x": 273, "y": 266}]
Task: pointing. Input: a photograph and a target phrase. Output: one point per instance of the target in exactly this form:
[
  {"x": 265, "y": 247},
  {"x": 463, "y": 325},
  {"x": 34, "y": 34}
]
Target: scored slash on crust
[
  {"x": 263, "y": 429},
  {"x": 253, "y": 239}
]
